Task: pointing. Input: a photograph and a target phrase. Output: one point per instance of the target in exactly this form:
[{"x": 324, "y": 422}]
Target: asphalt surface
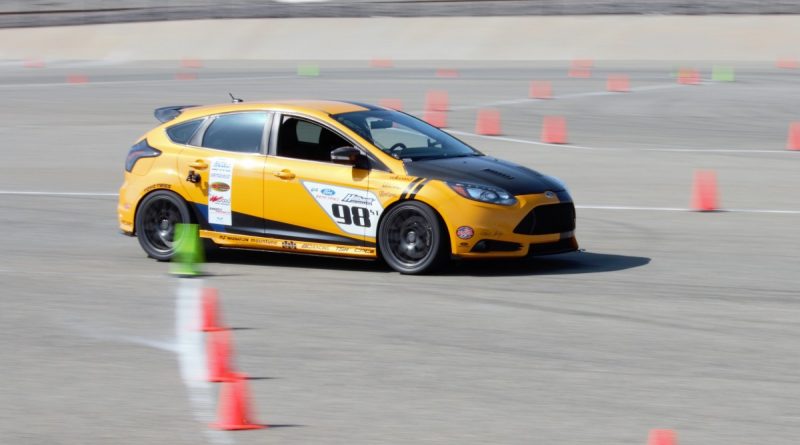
[
  {"x": 24, "y": 13},
  {"x": 669, "y": 319}
]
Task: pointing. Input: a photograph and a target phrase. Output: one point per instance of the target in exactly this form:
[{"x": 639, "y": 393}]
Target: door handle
[
  {"x": 284, "y": 174},
  {"x": 199, "y": 165}
]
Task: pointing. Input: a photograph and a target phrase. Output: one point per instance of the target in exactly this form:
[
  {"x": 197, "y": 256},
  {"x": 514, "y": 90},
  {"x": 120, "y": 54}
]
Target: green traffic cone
[
  {"x": 188, "y": 251},
  {"x": 723, "y": 74},
  {"x": 308, "y": 70}
]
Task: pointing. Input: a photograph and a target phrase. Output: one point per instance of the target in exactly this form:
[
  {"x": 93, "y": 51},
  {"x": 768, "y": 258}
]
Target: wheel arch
[{"x": 193, "y": 213}]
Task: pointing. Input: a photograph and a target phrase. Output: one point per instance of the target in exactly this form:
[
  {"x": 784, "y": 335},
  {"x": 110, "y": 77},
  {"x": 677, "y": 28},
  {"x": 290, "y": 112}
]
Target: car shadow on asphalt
[
  {"x": 563, "y": 264},
  {"x": 291, "y": 260}
]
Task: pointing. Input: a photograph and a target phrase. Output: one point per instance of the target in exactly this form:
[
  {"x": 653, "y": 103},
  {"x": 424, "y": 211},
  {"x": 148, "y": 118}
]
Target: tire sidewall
[
  {"x": 437, "y": 253},
  {"x": 148, "y": 200}
]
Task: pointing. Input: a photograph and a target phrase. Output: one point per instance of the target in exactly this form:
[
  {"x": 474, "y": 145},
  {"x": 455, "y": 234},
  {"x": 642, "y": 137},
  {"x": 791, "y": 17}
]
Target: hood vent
[{"x": 497, "y": 173}]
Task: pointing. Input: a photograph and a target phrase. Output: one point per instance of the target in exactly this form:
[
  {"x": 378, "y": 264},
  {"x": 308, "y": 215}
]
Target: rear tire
[
  {"x": 156, "y": 218},
  {"x": 411, "y": 238}
]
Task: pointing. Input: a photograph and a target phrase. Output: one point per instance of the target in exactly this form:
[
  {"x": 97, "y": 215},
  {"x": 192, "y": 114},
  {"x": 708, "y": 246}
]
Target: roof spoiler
[{"x": 165, "y": 114}]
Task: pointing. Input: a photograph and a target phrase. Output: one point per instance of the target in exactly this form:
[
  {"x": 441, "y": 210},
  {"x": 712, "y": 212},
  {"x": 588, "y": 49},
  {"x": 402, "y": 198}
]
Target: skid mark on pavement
[{"x": 188, "y": 345}]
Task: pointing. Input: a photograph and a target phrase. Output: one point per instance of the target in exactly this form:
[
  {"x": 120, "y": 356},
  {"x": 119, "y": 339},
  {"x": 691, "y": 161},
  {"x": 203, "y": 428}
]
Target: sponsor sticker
[
  {"x": 220, "y": 178},
  {"x": 220, "y": 186},
  {"x": 354, "y": 211},
  {"x": 358, "y": 199},
  {"x": 156, "y": 186},
  {"x": 465, "y": 232}
]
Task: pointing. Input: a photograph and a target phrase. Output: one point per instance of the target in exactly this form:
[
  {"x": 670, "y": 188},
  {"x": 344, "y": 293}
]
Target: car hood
[{"x": 485, "y": 170}]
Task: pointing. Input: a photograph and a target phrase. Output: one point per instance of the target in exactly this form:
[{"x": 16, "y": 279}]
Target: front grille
[{"x": 553, "y": 218}]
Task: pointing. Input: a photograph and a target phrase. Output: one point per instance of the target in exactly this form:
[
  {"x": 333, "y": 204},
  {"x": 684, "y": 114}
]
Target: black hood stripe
[
  {"x": 418, "y": 188},
  {"x": 409, "y": 187}
]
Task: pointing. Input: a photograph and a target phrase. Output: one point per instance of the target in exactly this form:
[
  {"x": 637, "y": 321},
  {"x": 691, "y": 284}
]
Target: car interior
[{"x": 302, "y": 139}]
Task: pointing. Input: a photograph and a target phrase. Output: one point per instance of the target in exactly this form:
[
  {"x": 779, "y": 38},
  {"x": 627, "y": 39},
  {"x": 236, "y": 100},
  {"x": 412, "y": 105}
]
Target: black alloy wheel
[
  {"x": 411, "y": 239},
  {"x": 156, "y": 219}
]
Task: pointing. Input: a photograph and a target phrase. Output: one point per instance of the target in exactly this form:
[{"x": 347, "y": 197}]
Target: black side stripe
[
  {"x": 408, "y": 188},
  {"x": 418, "y": 188}
]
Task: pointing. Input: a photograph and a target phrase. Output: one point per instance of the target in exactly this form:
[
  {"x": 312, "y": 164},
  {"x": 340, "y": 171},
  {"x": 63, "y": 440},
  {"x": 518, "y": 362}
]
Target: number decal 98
[{"x": 358, "y": 216}]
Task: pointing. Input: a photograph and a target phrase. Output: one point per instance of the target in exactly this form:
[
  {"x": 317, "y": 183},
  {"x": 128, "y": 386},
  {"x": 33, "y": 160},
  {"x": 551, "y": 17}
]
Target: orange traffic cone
[
  {"x": 210, "y": 309},
  {"x": 219, "y": 351},
  {"x": 488, "y": 122},
  {"x": 77, "y": 78},
  {"x": 554, "y": 130},
  {"x": 662, "y": 437},
  {"x": 787, "y": 64},
  {"x": 540, "y": 89},
  {"x": 394, "y": 104},
  {"x": 191, "y": 63},
  {"x": 704, "y": 195},
  {"x": 581, "y": 68},
  {"x": 185, "y": 76},
  {"x": 688, "y": 76},
  {"x": 381, "y": 63},
  {"x": 436, "y": 118},
  {"x": 618, "y": 83},
  {"x": 33, "y": 63},
  {"x": 234, "y": 411},
  {"x": 447, "y": 73},
  {"x": 793, "y": 143},
  {"x": 436, "y": 100}
]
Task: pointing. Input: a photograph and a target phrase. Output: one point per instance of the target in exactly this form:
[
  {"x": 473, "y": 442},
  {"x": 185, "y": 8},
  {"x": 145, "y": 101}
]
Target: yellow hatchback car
[{"x": 335, "y": 178}]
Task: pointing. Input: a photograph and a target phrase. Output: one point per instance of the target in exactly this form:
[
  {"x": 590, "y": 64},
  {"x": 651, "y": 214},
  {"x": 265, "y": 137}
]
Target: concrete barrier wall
[{"x": 738, "y": 37}]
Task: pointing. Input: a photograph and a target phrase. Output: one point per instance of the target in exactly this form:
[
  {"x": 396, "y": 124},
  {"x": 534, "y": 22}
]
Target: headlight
[{"x": 483, "y": 193}]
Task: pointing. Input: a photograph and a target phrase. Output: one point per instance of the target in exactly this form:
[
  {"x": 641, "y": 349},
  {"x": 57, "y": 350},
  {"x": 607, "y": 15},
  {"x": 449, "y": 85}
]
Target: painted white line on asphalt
[
  {"x": 525, "y": 141},
  {"x": 654, "y": 209},
  {"x": 190, "y": 346},
  {"x": 527, "y": 100},
  {"x": 679, "y": 209},
  {"x": 143, "y": 81},
  {"x": 44, "y": 193},
  {"x": 584, "y": 147}
]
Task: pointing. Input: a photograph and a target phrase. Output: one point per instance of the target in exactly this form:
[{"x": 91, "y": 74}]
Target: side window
[
  {"x": 308, "y": 133},
  {"x": 182, "y": 133},
  {"x": 239, "y": 132},
  {"x": 302, "y": 139}
]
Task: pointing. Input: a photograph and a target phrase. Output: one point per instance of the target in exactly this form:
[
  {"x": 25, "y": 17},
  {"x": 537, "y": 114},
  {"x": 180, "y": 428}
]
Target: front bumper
[{"x": 540, "y": 224}]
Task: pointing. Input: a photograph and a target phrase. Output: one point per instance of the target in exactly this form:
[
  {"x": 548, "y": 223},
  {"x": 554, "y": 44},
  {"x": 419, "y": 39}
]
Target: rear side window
[
  {"x": 182, "y": 133},
  {"x": 239, "y": 132}
]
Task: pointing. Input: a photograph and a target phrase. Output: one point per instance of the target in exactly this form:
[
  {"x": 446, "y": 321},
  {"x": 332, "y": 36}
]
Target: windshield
[{"x": 403, "y": 136}]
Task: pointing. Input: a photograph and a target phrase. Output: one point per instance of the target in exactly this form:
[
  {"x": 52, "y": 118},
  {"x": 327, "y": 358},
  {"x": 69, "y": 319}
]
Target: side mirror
[{"x": 350, "y": 156}]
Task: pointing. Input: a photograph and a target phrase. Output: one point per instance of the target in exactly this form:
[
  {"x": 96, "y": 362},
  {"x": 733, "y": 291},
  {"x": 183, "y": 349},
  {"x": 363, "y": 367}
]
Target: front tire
[
  {"x": 411, "y": 238},
  {"x": 156, "y": 218}
]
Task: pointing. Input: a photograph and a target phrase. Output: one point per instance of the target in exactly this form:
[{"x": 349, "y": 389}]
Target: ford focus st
[{"x": 335, "y": 178}]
